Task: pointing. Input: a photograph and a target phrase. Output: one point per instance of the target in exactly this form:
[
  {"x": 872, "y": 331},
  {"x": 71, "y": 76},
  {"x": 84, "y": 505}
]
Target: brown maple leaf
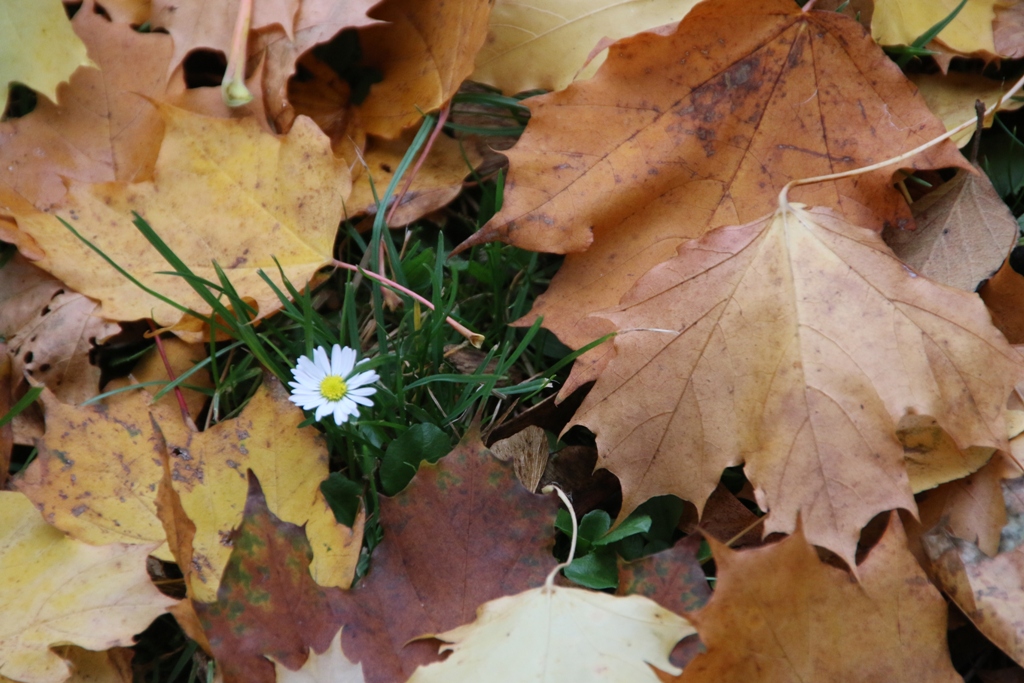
[
  {"x": 679, "y": 134},
  {"x": 779, "y": 614},
  {"x": 794, "y": 344}
]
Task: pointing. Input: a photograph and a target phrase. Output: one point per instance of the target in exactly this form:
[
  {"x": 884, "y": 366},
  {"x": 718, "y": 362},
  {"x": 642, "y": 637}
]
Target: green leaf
[
  {"x": 597, "y": 570},
  {"x": 344, "y": 497},
  {"x": 633, "y": 525},
  {"x": 593, "y": 526},
  {"x": 404, "y": 455}
]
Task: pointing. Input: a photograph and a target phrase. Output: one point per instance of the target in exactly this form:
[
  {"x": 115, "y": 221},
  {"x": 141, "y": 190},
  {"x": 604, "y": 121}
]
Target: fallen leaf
[
  {"x": 58, "y": 591},
  {"x": 964, "y": 232},
  {"x": 702, "y": 129},
  {"x": 986, "y": 589},
  {"x": 211, "y": 24},
  {"x": 462, "y": 533},
  {"x": 54, "y": 348},
  {"x": 98, "y": 470},
  {"x": 1007, "y": 30},
  {"x": 528, "y": 452},
  {"x": 24, "y": 292},
  {"x": 330, "y": 666},
  {"x": 724, "y": 516},
  {"x": 103, "y": 129},
  {"x": 317, "y": 22},
  {"x": 951, "y": 97},
  {"x": 794, "y": 344},
  {"x": 317, "y": 91},
  {"x": 552, "y": 634},
  {"x": 208, "y": 472},
  {"x": 932, "y": 457},
  {"x": 223, "y": 191},
  {"x": 779, "y": 614},
  {"x": 973, "y": 508},
  {"x": 1002, "y": 295},
  {"x": 267, "y": 604},
  {"x": 438, "y": 181},
  {"x": 674, "y": 579},
  {"x": 39, "y": 48},
  {"x": 424, "y": 52},
  {"x": 543, "y": 45},
  {"x": 900, "y": 22}
]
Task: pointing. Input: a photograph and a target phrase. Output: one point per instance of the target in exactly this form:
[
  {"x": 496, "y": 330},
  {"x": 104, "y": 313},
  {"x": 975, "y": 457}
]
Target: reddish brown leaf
[
  {"x": 462, "y": 533},
  {"x": 779, "y": 614},
  {"x": 674, "y": 579},
  {"x": 268, "y": 604}
]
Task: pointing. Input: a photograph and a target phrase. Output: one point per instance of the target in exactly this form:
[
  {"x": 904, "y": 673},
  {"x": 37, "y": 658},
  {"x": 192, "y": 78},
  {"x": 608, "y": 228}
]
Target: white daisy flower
[{"x": 329, "y": 385}]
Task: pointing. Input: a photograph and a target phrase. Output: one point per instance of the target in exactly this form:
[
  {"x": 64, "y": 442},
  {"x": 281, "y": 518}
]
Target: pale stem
[
  {"x": 475, "y": 338},
  {"x": 232, "y": 88},
  {"x": 784, "y": 200},
  {"x": 549, "y": 583}
]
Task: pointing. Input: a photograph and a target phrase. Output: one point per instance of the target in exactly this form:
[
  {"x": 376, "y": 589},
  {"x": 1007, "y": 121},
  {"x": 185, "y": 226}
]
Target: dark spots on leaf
[{"x": 78, "y": 510}]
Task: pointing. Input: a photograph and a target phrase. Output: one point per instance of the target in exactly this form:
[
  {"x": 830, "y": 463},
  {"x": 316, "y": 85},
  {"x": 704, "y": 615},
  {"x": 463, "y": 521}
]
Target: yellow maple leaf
[
  {"x": 901, "y": 22},
  {"x": 544, "y": 44},
  {"x": 55, "y": 590},
  {"x": 223, "y": 191},
  {"x": 208, "y": 470},
  {"x": 38, "y": 47}
]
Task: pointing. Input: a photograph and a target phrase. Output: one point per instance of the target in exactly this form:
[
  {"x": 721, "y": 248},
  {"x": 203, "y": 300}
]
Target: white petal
[
  {"x": 323, "y": 363},
  {"x": 341, "y": 413},
  {"x": 305, "y": 366},
  {"x": 362, "y": 391},
  {"x": 325, "y": 409},
  {"x": 342, "y": 360},
  {"x": 363, "y": 378},
  {"x": 361, "y": 400},
  {"x": 307, "y": 376}
]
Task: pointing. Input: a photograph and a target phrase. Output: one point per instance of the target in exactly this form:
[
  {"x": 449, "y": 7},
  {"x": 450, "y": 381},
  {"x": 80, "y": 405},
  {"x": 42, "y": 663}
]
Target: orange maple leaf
[{"x": 679, "y": 134}]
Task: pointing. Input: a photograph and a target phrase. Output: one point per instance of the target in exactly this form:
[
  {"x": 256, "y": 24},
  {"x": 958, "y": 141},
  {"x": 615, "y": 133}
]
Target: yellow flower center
[{"x": 333, "y": 388}]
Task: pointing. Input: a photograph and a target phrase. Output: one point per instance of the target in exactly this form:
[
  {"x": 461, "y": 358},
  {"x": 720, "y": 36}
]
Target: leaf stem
[
  {"x": 783, "y": 195},
  {"x": 549, "y": 583}
]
